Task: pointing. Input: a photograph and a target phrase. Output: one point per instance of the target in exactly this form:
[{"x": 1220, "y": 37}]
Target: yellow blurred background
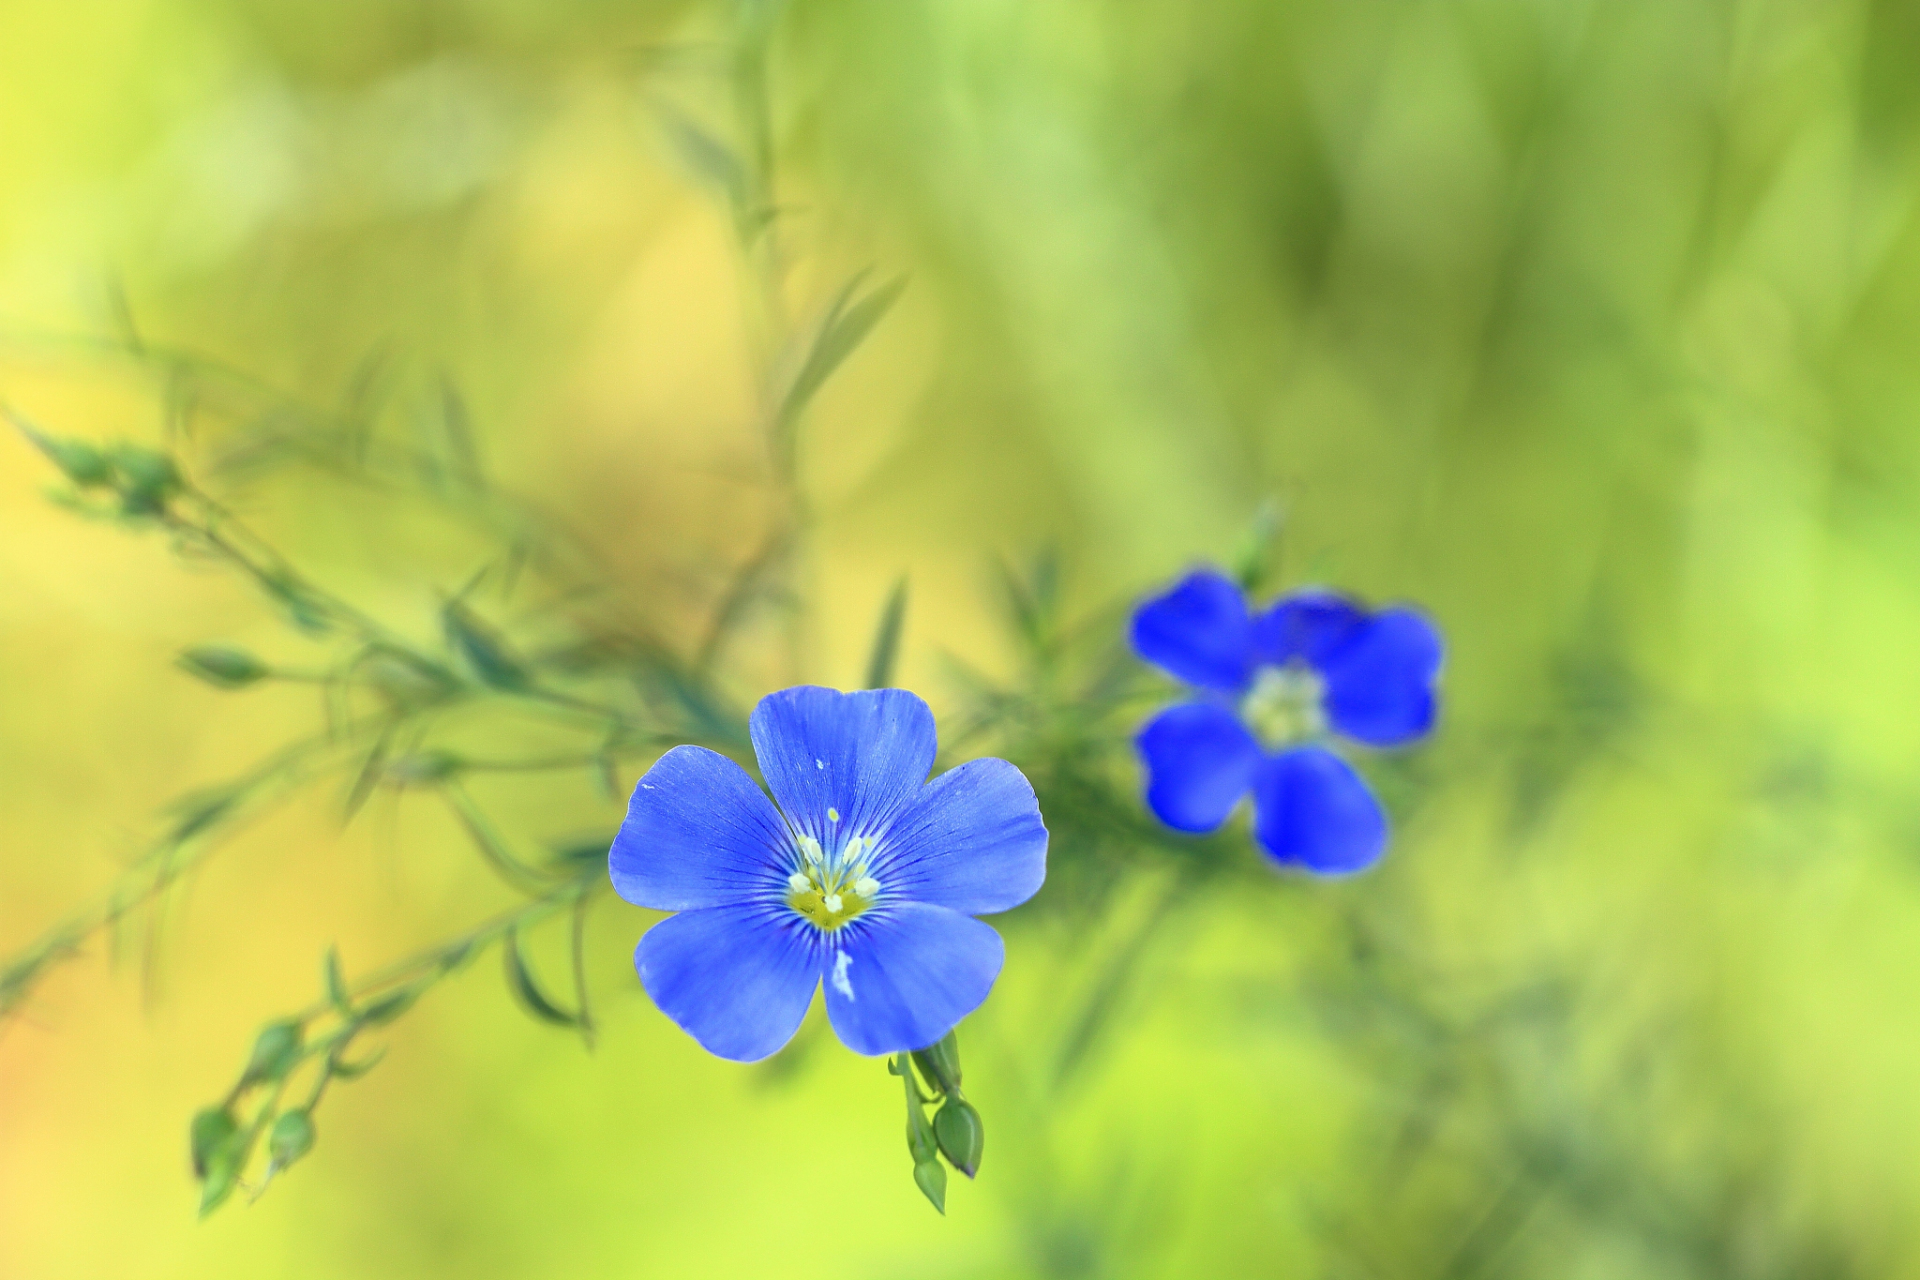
[{"x": 1588, "y": 326}]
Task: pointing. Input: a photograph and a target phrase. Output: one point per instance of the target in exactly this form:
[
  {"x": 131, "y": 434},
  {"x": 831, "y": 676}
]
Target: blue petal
[
  {"x": 1198, "y": 632},
  {"x": 1380, "y": 683},
  {"x": 1311, "y": 809},
  {"x": 900, "y": 977},
  {"x": 738, "y": 979},
  {"x": 863, "y": 755},
  {"x": 1200, "y": 760},
  {"x": 698, "y": 833},
  {"x": 971, "y": 841},
  {"x": 1308, "y": 626}
]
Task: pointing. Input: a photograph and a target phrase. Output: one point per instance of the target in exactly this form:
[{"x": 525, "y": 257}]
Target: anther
[
  {"x": 866, "y": 887},
  {"x": 831, "y": 902},
  {"x": 799, "y": 883}
]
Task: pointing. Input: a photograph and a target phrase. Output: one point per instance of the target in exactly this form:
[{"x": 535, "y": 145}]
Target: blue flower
[
  {"x": 1272, "y": 685},
  {"x": 865, "y": 878}
]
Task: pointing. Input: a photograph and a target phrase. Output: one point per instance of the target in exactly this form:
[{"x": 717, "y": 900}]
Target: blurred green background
[{"x": 1590, "y": 326}]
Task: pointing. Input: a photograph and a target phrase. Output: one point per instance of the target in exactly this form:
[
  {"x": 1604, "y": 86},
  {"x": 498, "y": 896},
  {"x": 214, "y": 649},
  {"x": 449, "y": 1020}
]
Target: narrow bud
[
  {"x": 931, "y": 1178},
  {"x": 389, "y": 1007},
  {"x": 147, "y": 478},
  {"x": 276, "y": 1050},
  {"x": 213, "y": 1128},
  {"x": 79, "y": 461},
  {"x": 223, "y": 665},
  {"x": 291, "y": 1138},
  {"x": 961, "y": 1135}
]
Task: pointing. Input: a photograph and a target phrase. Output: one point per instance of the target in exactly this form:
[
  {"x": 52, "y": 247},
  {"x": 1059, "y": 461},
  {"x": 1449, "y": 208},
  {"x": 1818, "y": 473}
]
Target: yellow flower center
[
  {"x": 830, "y": 890},
  {"x": 1283, "y": 707}
]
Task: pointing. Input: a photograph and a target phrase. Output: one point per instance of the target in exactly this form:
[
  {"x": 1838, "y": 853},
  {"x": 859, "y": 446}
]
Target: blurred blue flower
[
  {"x": 1272, "y": 686},
  {"x": 865, "y": 878}
]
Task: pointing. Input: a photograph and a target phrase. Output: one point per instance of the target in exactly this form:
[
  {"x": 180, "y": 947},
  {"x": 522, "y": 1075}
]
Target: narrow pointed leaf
[
  {"x": 845, "y": 327},
  {"x": 337, "y": 985},
  {"x": 886, "y": 640},
  {"x": 527, "y": 991}
]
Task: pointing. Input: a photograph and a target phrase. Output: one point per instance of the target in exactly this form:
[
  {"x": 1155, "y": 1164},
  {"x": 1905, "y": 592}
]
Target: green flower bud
[
  {"x": 219, "y": 1149},
  {"x": 290, "y": 1138},
  {"x": 213, "y": 1128},
  {"x": 275, "y": 1052},
  {"x": 218, "y": 1184},
  {"x": 389, "y": 1007},
  {"x": 961, "y": 1135},
  {"x": 83, "y": 464},
  {"x": 931, "y": 1178},
  {"x": 147, "y": 478},
  {"x": 223, "y": 665}
]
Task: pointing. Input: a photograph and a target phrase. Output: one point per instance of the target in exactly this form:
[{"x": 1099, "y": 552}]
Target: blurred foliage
[{"x": 1585, "y": 325}]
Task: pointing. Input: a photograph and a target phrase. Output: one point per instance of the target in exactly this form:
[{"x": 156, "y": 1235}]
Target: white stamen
[
  {"x": 831, "y": 902},
  {"x": 867, "y": 887},
  {"x": 811, "y": 849},
  {"x": 799, "y": 883}
]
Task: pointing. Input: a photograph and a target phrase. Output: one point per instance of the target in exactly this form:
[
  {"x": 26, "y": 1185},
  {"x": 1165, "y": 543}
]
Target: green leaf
[
  {"x": 423, "y": 768},
  {"x": 886, "y": 640},
  {"x": 200, "y": 810},
  {"x": 526, "y": 990},
  {"x": 406, "y": 680},
  {"x": 223, "y": 666},
  {"x": 337, "y": 985},
  {"x": 1032, "y": 599},
  {"x": 1259, "y": 554},
  {"x": 845, "y": 326},
  {"x": 459, "y": 428},
  {"x": 493, "y": 662},
  {"x": 371, "y": 771},
  {"x": 582, "y": 856},
  {"x": 710, "y": 159},
  {"x": 577, "y": 943}
]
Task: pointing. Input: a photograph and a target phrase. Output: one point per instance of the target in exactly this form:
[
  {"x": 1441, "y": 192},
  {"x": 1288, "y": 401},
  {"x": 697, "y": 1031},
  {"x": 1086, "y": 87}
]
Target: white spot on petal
[
  {"x": 841, "y": 963},
  {"x": 819, "y": 764}
]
